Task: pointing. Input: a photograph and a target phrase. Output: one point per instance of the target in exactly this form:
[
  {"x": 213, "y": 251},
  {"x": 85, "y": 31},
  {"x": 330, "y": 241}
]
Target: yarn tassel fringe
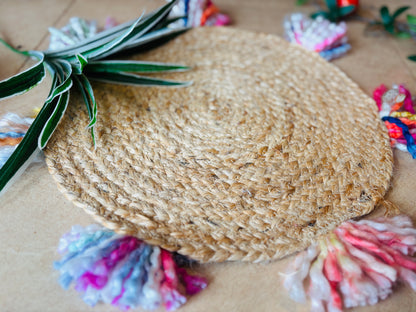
[
  {"x": 123, "y": 271},
  {"x": 357, "y": 264},
  {"x": 395, "y": 107}
]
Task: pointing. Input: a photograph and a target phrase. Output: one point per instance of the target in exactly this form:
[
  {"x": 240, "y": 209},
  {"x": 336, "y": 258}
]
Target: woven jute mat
[{"x": 269, "y": 148}]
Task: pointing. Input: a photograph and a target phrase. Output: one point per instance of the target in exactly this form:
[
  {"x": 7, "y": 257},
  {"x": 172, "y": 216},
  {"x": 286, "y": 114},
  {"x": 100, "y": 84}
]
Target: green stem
[{"x": 26, "y": 53}]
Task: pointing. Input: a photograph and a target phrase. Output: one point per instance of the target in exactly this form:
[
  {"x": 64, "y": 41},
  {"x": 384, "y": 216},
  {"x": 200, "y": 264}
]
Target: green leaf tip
[{"x": 24, "y": 81}]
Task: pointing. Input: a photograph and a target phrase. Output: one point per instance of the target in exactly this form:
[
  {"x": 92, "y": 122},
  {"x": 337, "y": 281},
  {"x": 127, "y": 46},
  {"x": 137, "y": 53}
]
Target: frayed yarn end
[
  {"x": 395, "y": 107},
  {"x": 357, "y": 264},
  {"x": 123, "y": 271},
  {"x": 319, "y": 35}
]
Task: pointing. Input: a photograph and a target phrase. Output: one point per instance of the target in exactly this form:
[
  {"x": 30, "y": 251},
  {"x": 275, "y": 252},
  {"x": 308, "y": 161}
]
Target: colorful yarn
[
  {"x": 122, "y": 270},
  {"x": 396, "y": 110},
  {"x": 12, "y": 130},
  {"x": 76, "y": 30},
  {"x": 411, "y": 147},
  {"x": 198, "y": 13},
  {"x": 357, "y": 264},
  {"x": 319, "y": 35}
]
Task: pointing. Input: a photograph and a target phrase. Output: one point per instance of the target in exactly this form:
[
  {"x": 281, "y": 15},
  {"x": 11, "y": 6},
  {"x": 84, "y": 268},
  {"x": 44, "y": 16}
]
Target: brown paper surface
[{"x": 34, "y": 214}]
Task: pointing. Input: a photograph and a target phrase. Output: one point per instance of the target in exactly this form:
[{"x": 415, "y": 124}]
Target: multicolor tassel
[
  {"x": 396, "y": 110},
  {"x": 319, "y": 35},
  {"x": 12, "y": 130},
  {"x": 122, "y": 270},
  {"x": 198, "y": 13},
  {"x": 357, "y": 264}
]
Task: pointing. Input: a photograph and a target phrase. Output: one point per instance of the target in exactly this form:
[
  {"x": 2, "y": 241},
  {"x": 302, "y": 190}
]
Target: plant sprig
[
  {"x": 77, "y": 65},
  {"x": 389, "y": 21},
  {"x": 334, "y": 13}
]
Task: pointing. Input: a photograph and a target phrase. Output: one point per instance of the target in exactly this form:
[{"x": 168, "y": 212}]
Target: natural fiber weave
[{"x": 269, "y": 148}]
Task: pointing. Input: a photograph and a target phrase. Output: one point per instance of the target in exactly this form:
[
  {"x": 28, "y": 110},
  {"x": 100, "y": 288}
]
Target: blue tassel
[{"x": 411, "y": 147}]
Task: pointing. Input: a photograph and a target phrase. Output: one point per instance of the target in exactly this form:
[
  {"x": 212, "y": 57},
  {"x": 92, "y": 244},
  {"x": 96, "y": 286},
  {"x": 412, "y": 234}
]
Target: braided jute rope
[{"x": 270, "y": 147}]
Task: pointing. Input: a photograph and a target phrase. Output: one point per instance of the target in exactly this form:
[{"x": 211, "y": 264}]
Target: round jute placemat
[{"x": 270, "y": 147}]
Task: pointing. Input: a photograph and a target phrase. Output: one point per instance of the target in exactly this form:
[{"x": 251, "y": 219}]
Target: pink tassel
[
  {"x": 357, "y": 264},
  {"x": 408, "y": 103},
  {"x": 378, "y": 93}
]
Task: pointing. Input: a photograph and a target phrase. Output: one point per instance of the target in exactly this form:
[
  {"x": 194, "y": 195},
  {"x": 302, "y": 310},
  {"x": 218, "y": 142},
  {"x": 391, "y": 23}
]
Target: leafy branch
[
  {"x": 389, "y": 21},
  {"x": 77, "y": 65}
]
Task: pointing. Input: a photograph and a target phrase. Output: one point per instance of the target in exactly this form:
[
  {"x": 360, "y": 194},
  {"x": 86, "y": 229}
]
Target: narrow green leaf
[
  {"x": 412, "y": 57},
  {"x": 346, "y": 10},
  {"x": 93, "y": 42},
  {"x": 138, "y": 31},
  {"x": 88, "y": 89},
  {"x": 103, "y": 38},
  {"x": 25, "y": 53},
  {"x": 152, "y": 40},
  {"x": 132, "y": 66},
  {"x": 399, "y": 11},
  {"x": 164, "y": 23},
  {"x": 29, "y": 145},
  {"x": 54, "y": 75},
  {"x": 24, "y": 81},
  {"x": 53, "y": 120},
  {"x": 131, "y": 79},
  {"x": 155, "y": 35},
  {"x": 101, "y": 50},
  {"x": 79, "y": 65},
  {"x": 385, "y": 15},
  {"x": 63, "y": 70},
  {"x": 90, "y": 103}
]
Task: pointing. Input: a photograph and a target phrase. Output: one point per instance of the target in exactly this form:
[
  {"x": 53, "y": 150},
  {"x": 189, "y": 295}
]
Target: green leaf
[
  {"x": 95, "y": 41},
  {"x": 301, "y": 2},
  {"x": 25, "y": 80},
  {"x": 26, "y": 149},
  {"x": 132, "y": 34},
  {"x": 389, "y": 28},
  {"x": 399, "y": 11},
  {"x": 53, "y": 120},
  {"x": 63, "y": 72},
  {"x": 88, "y": 89},
  {"x": 164, "y": 23},
  {"x": 385, "y": 15},
  {"x": 332, "y": 5},
  {"x": 107, "y": 45},
  {"x": 411, "y": 20},
  {"x": 89, "y": 43},
  {"x": 87, "y": 93},
  {"x": 152, "y": 40},
  {"x": 346, "y": 10},
  {"x": 412, "y": 57},
  {"x": 25, "y": 53},
  {"x": 132, "y": 66},
  {"x": 131, "y": 79},
  {"x": 402, "y": 35},
  {"x": 79, "y": 65}
]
